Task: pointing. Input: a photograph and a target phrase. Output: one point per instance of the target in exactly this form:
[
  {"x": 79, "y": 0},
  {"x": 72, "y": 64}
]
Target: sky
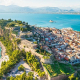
[{"x": 42, "y": 3}]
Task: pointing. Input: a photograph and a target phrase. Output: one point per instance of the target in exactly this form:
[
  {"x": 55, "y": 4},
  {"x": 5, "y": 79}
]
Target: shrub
[{"x": 21, "y": 68}]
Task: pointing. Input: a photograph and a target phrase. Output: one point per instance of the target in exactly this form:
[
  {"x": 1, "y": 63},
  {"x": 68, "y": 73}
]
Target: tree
[
  {"x": 8, "y": 78},
  {"x": 76, "y": 78},
  {"x": 71, "y": 77},
  {"x": 44, "y": 52},
  {"x": 12, "y": 25},
  {"x": 9, "y": 20},
  {"x": 26, "y": 23},
  {"x": 36, "y": 65},
  {"x": 12, "y": 78},
  {"x": 21, "y": 68},
  {"x": 21, "y": 29},
  {"x": 3, "y": 63},
  {"x": 36, "y": 78},
  {"x": 1, "y": 74},
  {"x": 23, "y": 76},
  {"x": 41, "y": 47},
  {"x": 18, "y": 21},
  {"x": 18, "y": 41},
  {"x": 23, "y": 22},
  {"x": 30, "y": 74}
]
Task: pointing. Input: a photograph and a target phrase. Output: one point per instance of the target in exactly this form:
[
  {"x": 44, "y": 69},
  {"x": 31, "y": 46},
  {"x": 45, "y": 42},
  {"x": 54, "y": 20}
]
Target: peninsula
[{"x": 39, "y": 53}]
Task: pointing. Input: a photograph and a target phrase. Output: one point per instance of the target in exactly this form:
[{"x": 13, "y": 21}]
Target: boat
[{"x": 50, "y": 21}]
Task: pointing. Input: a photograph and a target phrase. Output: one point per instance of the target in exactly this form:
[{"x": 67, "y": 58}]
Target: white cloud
[
  {"x": 40, "y": 3},
  {"x": 6, "y": 2}
]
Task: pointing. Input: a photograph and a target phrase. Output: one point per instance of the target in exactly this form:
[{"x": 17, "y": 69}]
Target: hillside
[{"x": 14, "y": 8}]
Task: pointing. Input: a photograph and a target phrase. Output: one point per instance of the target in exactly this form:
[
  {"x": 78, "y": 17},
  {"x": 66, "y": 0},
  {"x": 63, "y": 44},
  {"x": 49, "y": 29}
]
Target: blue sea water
[{"x": 42, "y": 20}]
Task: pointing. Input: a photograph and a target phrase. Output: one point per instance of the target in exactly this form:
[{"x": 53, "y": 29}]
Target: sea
[{"x": 42, "y": 20}]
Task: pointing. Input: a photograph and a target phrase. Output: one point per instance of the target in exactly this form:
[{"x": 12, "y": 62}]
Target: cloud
[
  {"x": 6, "y": 2},
  {"x": 41, "y": 3}
]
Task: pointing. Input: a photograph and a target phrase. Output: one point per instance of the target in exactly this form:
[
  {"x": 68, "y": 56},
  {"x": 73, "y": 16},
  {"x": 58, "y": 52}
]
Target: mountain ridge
[{"x": 15, "y": 8}]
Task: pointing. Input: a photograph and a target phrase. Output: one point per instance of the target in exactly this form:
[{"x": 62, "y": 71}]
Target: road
[{"x": 15, "y": 71}]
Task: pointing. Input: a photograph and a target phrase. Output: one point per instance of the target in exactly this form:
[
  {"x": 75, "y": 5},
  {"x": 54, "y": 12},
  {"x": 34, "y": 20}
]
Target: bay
[{"x": 42, "y": 20}]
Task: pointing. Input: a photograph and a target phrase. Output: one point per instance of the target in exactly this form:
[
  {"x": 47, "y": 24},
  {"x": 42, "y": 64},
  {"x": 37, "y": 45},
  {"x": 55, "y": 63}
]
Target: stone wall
[
  {"x": 63, "y": 62},
  {"x": 46, "y": 61},
  {"x": 33, "y": 51},
  {"x": 13, "y": 35},
  {"x": 60, "y": 77}
]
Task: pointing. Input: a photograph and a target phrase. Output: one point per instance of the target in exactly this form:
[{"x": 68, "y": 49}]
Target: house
[{"x": 78, "y": 55}]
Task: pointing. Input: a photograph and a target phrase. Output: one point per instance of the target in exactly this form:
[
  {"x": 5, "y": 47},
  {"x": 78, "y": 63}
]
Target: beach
[
  {"x": 3, "y": 56},
  {"x": 3, "y": 50}
]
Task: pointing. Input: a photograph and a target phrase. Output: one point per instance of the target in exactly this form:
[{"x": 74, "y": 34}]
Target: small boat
[{"x": 51, "y": 21}]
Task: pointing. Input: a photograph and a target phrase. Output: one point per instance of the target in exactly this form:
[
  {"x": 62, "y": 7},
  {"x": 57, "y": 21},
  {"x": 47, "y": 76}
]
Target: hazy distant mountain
[{"x": 14, "y": 8}]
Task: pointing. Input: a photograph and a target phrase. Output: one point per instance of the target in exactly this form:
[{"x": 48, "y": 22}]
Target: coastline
[
  {"x": 3, "y": 50},
  {"x": 3, "y": 56}
]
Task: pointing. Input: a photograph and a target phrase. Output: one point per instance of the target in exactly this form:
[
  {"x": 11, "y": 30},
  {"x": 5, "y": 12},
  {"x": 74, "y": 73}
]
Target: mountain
[{"x": 14, "y": 8}]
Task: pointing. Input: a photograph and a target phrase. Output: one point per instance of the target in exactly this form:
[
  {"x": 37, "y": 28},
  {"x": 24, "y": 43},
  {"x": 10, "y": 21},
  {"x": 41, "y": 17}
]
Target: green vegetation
[
  {"x": 36, "y": 78},
  {"x": 30, "y": 73},
  {"x": 22, "y": 77},
  {"x": 10, "y": 25},
  {"x": 58, "y": 69},
  {"x": 35, "y": 42},
  {"x": 72, "y": 77},
  {"x": 18, "y": 21},
  {"x": 3, "y": 63},
  {"x": 11, "y": 49},
  {"x": 76, "y": 65},
  {"x": 15, "y": 32},
  {"x": 18, "y": 41},
  {"x": 3, "y": 22},
  {"x": 46, "y": 57},
  {"x": 33, "y": 62},
  {"x": 7, "y": 42},
  {"x": 23, "y": 29},
  {"x": 14, "y": 24},
  {"x": 78, "y": 74},
  {"x": 14, "y": 55},
  {"x": 41, "y": 51},
  {"x": 21, "y": 68},
  {"x": 27, "y": 28},
  {"x": 15, "y": 58}
]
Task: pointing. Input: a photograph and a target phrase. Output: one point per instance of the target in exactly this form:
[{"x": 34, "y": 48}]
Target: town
[
  {"x": 49, "y": 53},
  {"x": 64, "y": 44}
]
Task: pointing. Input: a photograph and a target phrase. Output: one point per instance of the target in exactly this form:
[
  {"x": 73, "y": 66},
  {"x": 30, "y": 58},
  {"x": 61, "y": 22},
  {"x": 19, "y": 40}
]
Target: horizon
[{"x": 38, "y": 3}]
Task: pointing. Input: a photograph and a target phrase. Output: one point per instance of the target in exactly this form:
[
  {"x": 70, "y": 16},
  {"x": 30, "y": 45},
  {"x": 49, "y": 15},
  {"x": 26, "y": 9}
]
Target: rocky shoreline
[
  {"x": 3, "y": 50},
  {"x": 3, "y": 56}
]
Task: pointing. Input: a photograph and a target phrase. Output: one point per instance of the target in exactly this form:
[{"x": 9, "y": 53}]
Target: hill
[{"x": 14, "y": 8}]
